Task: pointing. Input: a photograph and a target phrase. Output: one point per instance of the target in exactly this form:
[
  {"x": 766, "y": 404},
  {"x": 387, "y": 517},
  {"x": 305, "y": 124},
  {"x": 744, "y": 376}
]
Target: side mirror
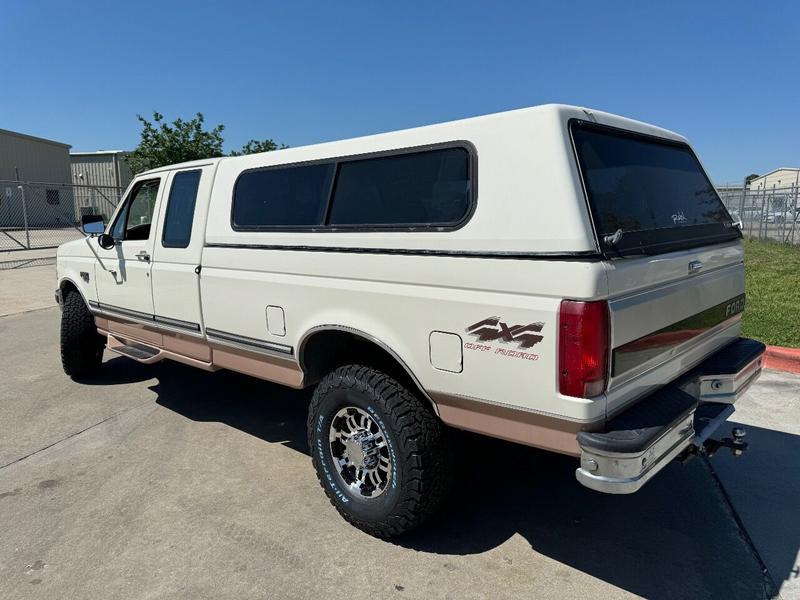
[
  {"x": 105, "y": 241},
  {"x": 92, "y": 224}
]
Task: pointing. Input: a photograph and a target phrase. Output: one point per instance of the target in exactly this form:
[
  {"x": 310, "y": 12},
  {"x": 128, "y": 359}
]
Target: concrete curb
[{"x": 782, "y": 359}]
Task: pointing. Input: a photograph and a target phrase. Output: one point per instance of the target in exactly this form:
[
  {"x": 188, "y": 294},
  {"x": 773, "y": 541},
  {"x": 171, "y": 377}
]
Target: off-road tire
[
  {"x": 81, "y": 345},
  {"x": 417, "y": 440}
]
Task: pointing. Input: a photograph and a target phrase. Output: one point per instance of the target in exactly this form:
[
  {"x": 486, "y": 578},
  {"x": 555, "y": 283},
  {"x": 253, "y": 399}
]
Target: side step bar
[
  {"x": 135, "y": 350},
  {"x": 148, "y": 354}
]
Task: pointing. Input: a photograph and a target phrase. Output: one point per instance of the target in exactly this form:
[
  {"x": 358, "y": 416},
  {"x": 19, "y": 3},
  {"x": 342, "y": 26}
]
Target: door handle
[{"x": 143, "y": 255}]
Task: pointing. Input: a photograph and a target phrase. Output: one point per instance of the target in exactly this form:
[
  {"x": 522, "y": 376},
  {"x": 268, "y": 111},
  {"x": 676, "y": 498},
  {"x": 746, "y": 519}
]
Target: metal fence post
[
  {"x": 771, "y": 213},
  {"x": 25, "y": 216},
  {"x": 744, "y": 196},
  {"x": 795, "y": 216},
  {"x": 783, "y": 218}
]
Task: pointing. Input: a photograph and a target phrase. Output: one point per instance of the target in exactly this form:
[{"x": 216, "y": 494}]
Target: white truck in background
[{"x": 554, "y": 276}]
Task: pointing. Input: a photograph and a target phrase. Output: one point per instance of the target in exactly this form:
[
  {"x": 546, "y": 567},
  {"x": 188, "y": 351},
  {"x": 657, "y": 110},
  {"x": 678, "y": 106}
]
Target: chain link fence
[
  {"x": 38, "y": 216},
  {"x": 766, "y": 213}
]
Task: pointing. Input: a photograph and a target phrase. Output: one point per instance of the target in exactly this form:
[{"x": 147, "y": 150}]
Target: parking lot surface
[{"x": 163, "y": 481}]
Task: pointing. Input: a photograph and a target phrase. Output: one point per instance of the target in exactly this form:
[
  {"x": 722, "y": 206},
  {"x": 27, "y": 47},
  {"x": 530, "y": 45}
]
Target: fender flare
[
  {"x": 369, "y": 338},
  {"x": 64, "y": 280}
]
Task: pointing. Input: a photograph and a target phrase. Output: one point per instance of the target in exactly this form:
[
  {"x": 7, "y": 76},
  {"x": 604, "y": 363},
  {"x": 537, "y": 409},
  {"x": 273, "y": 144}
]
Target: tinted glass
[
  {"x": 180, "y": 210},
  {"x": 655, "y": 192},
  {"x": 422, "y": 188},
  {"x": 282, "y": 197}
]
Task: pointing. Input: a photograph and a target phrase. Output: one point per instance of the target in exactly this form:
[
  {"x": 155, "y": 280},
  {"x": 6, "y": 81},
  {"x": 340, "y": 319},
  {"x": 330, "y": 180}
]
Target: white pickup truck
[{"x": 554, "y": 276}]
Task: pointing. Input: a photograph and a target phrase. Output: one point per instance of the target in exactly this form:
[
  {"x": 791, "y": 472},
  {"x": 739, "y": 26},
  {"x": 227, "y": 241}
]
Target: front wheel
[
  {"x": 379, "y": 451},
  {"x": 81, "y": 345}
]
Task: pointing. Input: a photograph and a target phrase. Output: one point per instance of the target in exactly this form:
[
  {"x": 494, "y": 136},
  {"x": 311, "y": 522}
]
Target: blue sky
[{"x": 725, "y": 74}]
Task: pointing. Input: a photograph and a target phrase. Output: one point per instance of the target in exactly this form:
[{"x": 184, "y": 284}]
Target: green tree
[
  {"x": 750, "y": 178},
  {"x": 254, "y": 146},
  {"x": 165, "y": 144}
]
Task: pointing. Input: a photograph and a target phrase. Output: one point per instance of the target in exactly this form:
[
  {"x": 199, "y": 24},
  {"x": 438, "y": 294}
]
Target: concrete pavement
[
  {"x": 164, "y": 481},
  {"x": 28, "y": 288}
]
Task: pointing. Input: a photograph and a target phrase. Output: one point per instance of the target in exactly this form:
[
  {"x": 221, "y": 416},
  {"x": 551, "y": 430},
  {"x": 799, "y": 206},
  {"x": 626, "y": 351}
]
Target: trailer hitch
[
  {"x": 709, "y": 447},
  {"x": 736, "y": 443}
]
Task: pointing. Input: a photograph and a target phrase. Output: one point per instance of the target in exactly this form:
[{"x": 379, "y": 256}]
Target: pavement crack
[
  {"x": 771, "y": 589},
  {"x": 72, "y": 435}
]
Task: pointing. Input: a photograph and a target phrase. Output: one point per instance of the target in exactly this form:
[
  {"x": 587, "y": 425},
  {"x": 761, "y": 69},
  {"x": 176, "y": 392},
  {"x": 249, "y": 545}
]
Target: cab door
[
  {"x": 123, "y": 274},
  {"x": 178, "y": 247}
]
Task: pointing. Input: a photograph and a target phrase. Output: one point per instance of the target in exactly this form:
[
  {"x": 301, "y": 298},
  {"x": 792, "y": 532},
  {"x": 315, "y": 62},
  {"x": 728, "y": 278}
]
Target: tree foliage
[
  {"x": 254, "y": 146},
  {"x": 750, "y": 178},
  {"x": 163, "y": 143}
]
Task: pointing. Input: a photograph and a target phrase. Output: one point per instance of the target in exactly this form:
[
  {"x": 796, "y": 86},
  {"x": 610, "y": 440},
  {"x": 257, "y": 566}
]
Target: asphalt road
[{"x": 163, "y": 481}]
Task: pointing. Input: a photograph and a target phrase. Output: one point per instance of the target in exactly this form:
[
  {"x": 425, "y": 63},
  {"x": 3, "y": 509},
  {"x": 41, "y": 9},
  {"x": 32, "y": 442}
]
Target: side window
[
  {"x": 133, "y": 221},
  {"x": 282, "y": 197},
  {"x": 420, "y": 188},
  {"x": 180, "y": 210}
]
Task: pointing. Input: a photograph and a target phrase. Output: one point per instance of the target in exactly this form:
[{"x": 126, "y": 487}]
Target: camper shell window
[{"x": 399, "y": 190}]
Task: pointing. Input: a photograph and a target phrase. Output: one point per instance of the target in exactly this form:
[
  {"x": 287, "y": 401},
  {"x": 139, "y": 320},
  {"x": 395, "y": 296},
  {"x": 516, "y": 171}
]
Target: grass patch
[{"x": 772, "y": 314}]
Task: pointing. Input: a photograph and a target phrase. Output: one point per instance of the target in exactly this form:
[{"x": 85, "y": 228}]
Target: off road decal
[{"x": 493, "y": 329}]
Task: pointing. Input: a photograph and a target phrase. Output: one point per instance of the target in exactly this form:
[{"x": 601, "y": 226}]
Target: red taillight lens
[{"x": 583, "y": 341}]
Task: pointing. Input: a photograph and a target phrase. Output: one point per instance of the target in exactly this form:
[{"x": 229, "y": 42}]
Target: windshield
[{"x": 647, "y": 195}]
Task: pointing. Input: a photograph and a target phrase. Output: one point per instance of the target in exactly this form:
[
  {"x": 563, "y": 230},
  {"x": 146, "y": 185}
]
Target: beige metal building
[
  {"x": 101, "y": 168},
  {"x": 785, "y": 177},
  {"x": 35, "y": 181},
  {"x": 99, "y": 179},
  {"x": 28, "y": 158}
]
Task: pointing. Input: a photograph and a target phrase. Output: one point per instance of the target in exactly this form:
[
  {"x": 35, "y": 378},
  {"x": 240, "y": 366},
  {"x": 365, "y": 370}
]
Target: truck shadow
[{"x": 676, "y": 538}]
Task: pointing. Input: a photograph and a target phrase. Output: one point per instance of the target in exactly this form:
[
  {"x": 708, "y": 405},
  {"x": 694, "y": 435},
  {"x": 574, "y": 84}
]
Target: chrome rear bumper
[
  {"x": 625, "y": 473},
  {"x": 640, "y": 442}
]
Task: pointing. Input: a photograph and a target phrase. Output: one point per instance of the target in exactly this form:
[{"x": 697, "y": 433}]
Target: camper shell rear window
[{"x": 647, "y": 195}]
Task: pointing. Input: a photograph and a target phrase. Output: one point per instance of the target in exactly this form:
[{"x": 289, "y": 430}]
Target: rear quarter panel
[{"x": 400, "y": 300}]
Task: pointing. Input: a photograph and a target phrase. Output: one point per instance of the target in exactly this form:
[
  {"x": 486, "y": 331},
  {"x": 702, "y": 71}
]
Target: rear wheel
[
  {"x": 81, "y": 345},
  {"x": 379, "y": 451}
]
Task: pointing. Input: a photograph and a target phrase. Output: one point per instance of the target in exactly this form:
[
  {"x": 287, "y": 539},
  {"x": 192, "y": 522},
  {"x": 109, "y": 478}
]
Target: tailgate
[
  {"x": 668, "y": 313},
  {"x": 675, "y": 269}
]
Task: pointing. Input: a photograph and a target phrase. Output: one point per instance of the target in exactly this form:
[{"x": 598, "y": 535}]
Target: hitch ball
[{"x": 739, "y": 445}]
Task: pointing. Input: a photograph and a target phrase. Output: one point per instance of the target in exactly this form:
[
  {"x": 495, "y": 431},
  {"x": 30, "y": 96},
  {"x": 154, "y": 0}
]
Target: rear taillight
[{"x": 583, "y": 340}]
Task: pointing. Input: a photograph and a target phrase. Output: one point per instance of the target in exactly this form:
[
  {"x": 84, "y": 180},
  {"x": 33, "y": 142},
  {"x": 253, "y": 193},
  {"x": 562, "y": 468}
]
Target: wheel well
[
  {"x": 329, "y": 349},
  {"x": 68, "y": 286}
]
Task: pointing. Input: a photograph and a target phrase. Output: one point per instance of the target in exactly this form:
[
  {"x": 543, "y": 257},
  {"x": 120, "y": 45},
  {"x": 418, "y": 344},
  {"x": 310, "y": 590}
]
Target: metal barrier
[
  {"x": 44, "y": 215},
  {"x": 766, "y": 213}
]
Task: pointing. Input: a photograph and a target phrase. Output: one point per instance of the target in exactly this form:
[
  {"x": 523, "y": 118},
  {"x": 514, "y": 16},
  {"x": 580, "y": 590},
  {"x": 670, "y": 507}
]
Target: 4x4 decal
[{"x": 494, "y": 329}]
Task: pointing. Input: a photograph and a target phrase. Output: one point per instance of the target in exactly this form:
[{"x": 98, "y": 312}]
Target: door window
[{"x": 133, "y": 221}]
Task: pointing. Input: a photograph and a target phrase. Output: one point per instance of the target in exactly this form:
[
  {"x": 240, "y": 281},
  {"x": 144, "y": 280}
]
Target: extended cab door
[
  {"x": 123, "y": 274},
  {"x": 178, "y": 248}
]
